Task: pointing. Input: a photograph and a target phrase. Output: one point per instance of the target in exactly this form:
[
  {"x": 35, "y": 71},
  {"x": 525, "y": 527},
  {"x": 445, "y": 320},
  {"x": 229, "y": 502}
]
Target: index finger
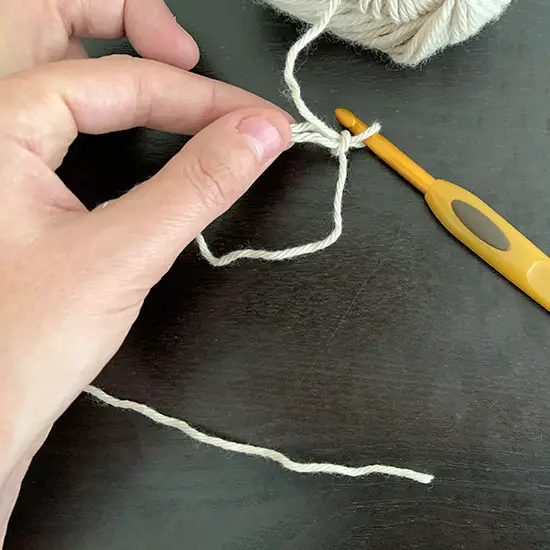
[{"x": 43, "y": 109}]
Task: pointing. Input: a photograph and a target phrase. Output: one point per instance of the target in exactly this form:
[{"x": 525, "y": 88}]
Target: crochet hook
[{"x": 468, "y": 218}]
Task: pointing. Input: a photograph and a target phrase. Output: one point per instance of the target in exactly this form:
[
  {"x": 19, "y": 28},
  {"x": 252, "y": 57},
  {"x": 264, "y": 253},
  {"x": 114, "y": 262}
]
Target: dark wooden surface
[{"x": 395, "y": 346}]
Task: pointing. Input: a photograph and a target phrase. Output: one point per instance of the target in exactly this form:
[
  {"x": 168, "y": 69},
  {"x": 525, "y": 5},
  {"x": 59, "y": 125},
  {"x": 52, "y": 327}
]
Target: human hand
[
  {"x": 49, "y": 30},
  {"x": 72, "y": 282}
]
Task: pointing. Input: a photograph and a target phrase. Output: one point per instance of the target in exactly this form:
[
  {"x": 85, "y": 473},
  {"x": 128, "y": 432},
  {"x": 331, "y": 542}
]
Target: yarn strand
[
  {"x": 313, "y": 131},
  {"x": 316, "y": 132},
  {"x": 252, "y": 450}
]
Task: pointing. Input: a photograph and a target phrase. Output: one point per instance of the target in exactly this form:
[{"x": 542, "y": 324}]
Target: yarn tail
[{"x": 252, "y": 450}]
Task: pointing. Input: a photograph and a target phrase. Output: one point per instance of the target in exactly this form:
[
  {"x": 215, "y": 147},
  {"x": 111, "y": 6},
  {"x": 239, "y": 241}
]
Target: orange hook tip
[
  {"x": 345, "y": 117},
  {"x": 387, "y": 152}
]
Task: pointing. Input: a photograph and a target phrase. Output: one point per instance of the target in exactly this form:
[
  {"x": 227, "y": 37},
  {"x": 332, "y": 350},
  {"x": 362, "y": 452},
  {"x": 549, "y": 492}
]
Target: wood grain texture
[{"x": 396, "y": 345}]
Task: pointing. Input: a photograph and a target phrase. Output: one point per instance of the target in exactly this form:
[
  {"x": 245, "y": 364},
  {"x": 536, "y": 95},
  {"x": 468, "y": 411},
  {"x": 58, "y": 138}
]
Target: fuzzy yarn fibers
[{"x": 409, "y": 31}]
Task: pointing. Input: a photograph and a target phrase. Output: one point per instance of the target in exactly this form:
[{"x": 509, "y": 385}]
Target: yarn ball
[{"x": 409, "y": 31}]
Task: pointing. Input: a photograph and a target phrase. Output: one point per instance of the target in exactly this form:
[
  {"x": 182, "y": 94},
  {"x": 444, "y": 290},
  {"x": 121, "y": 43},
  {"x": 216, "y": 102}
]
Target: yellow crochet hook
[{"x": 468, "y": 218}]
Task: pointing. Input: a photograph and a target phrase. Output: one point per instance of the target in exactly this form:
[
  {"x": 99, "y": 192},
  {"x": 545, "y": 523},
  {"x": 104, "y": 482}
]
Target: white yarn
[
  {"x": 315, "y": 131},
  {"x": 409, "y": 31},
  {"x": 340, "y": 144},
  {"x": 252, "y": 450}
]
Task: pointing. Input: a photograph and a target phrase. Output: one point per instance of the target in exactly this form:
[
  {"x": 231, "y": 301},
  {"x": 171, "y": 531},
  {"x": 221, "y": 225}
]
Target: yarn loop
[
  {"x": 338, "y": 143},
  {"x": 313, "y": 131}
]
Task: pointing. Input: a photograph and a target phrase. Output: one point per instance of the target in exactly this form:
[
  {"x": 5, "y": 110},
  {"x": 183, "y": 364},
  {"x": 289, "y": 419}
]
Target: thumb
[{"x": 144, "y": 231}]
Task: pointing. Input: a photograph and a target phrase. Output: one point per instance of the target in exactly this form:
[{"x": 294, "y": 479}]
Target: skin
[{"x": 72, "y": 282}]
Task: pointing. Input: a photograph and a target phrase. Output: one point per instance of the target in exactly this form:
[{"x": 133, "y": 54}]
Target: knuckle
[{"x": 215, "y": 182}]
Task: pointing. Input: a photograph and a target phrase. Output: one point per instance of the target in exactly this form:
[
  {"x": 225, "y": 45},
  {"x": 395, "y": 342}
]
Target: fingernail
[{"x": 263, "y": 137}]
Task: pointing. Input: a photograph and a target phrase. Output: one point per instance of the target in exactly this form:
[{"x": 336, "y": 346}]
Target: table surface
[{"x": 395, "y": 346}]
